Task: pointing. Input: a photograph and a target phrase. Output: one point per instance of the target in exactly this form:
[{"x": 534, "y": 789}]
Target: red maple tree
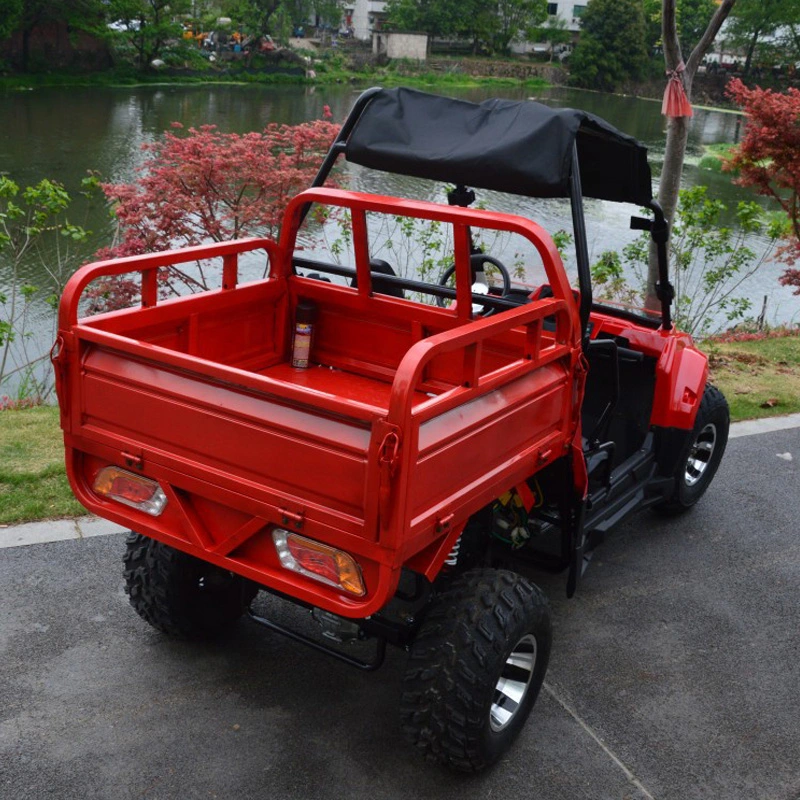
[
  {"x": 203, "y": 185},
  {"x": 199, "y": 185},
  {"x": 768, "y": 158}
]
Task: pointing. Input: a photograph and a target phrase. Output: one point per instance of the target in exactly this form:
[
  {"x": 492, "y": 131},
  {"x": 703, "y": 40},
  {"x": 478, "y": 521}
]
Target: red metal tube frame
[{"x": 148, "y": 263}]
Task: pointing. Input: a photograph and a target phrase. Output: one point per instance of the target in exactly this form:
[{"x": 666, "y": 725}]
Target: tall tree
[
  {"x": 755, "y": 22},
  {"x": 492, "y": 23},
  {"x": 692, "y": 20},
  {"x": 555, "y": 31},
  {"x": 768, "y": 158},
  {"x": 691, "y": 16},
  {"x": 754, "y": 25},
  {"x": 26, "y": 16},
  {"x": 145, "y": 25},
  {"x": 279, "y": 17},
  {"x": 678, "y": 127},
  {"x": 612, "y": 46},
  {"x": 437, "y": 18},
  {"x": 517, "y": 19},
  {"x": 10, "y": 17}
]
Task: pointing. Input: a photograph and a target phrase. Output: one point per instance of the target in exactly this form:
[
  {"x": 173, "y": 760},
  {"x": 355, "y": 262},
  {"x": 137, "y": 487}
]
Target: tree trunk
[
  {"x": 750, "y": 50},
  {"x": 677, "y": 127},
  {"x": 26, "y": 48}
]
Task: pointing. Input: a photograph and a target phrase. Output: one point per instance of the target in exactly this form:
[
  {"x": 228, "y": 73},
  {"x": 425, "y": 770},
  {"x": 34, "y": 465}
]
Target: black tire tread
[
  {"x": 464, "y": 638},
  {"x": 712, "y": 404},
  {"x": 158, "y": 582}
]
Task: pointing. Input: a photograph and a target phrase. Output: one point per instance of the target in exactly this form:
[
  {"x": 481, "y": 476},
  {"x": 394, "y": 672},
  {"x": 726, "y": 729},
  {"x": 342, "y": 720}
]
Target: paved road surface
[{"x": 675, "y": 676}]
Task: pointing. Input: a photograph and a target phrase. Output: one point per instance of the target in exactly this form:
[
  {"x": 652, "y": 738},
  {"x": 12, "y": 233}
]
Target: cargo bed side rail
[
  {"x": 399, "y": 528},
  {"x": 148, "y": 265},
  {"x": 470, "y": 340}
]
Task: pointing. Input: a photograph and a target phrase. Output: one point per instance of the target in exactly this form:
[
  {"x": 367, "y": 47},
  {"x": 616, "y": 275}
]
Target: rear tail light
[
  {"x": 130, "y": 490},
  {"x": 318, "y": 561}
]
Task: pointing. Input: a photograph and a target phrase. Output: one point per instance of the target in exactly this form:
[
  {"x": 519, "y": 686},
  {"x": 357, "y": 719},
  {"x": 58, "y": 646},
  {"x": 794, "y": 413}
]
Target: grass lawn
[
  {"x": 33, "y": 482},
  {"x": 759, "y": 378},
  {"x": 714, "y": 155}
]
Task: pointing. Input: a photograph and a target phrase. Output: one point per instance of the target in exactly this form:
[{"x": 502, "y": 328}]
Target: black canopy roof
[{"x": 518, "y": 147}]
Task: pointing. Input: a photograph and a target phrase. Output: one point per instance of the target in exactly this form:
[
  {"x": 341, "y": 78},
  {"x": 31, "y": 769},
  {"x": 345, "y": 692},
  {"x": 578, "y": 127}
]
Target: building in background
[
  {"x": 363, "y": 17},
  {"x": 569, "y": 11}
]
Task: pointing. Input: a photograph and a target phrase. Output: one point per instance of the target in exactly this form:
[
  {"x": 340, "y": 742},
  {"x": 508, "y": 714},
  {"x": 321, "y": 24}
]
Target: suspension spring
[{"x": 452, "y": 559}]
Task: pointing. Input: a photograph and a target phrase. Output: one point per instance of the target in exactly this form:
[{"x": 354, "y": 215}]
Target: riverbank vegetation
[
  {"x": 710, "y": 260},
  {"x": 443, "y": 74},
  {"x": 32, "y": 219},
  {"x": 122, "y": 42},
  {"x": 759, "y": 372}
]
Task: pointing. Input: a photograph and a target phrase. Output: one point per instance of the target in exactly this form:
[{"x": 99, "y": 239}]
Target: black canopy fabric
[{"x": 523, "y": 148}]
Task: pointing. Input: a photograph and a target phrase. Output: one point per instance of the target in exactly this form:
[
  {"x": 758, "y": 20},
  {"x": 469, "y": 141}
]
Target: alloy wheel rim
[
  {"x": 513, "y": 684},
  {"x": 700, "y": 454}
]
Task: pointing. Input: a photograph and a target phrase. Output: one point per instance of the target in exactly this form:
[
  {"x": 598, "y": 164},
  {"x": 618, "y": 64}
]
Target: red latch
[
  {"x": 443, "y": 523},
  {"x": 58, "y": 361},
  {"x": 135, "y": 460},
  {"x": 388, "y": 457},
  {"x": 292, "y": 518},
  {"x": 389, "y": 451}
]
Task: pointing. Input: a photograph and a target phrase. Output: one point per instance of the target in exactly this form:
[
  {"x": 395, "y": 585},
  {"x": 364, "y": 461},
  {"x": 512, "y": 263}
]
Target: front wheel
[
  {"x": 475, "y": 669},
  {"x": 702, "y": 455}
]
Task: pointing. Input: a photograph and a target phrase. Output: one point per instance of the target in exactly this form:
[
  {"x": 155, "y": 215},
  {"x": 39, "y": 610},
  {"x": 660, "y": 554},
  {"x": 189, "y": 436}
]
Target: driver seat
[{"x": 378, "y": 265}]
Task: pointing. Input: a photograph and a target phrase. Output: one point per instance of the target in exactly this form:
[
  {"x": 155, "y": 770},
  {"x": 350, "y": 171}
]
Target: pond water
[{"x": 62, "y": 133}]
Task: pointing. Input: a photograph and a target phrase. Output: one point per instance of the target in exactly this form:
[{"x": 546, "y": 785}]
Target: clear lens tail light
[
  {"x": 319, "y": 561},
  {"x": 130, "y": 490}
]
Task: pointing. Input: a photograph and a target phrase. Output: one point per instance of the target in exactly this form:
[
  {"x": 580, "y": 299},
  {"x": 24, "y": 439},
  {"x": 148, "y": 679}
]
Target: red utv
[{"x": 397, "y": 455}]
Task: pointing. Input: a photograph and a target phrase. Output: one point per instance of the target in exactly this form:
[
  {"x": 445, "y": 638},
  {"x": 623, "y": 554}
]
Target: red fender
[{"x": 681, "y": 375}]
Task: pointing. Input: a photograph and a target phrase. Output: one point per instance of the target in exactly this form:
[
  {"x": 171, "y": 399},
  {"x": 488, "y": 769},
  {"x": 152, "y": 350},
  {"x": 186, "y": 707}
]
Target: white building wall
[
  {"x": 365, "y": 15},
  {"x": 568, "y": 10},
  {"x": 413, "y": 46}
]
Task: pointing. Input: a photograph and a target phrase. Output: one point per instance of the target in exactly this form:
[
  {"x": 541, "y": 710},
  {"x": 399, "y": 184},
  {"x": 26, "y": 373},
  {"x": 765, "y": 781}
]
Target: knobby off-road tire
[
  {"x": 476, "y": 668},
  {"x": 700, "y": 459},
  {"x": 179, "y": 594}
]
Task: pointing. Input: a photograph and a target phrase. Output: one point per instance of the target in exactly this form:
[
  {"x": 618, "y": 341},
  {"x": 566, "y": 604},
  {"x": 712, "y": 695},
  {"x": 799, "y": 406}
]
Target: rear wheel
[
  {"x": 179, "y": 594},
  {"x": 700, "y": 459},
  {"x": 476, "y": 668}
]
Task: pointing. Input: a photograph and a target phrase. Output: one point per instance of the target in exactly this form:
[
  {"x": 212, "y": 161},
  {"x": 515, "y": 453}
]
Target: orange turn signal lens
[
  {"x": 325, "y": 564},
  {"x": 130, "y": 490}
]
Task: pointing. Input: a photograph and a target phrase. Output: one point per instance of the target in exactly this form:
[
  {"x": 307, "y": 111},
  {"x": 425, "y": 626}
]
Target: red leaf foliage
[
  {"x": 768, "y": 157},
  {"x": 754, "y": 336},
  {"x": 203, "y": 185}
]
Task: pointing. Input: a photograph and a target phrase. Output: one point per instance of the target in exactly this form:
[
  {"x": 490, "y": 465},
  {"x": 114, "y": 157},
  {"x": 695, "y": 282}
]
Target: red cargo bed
[{"x": 409, "y": 419}]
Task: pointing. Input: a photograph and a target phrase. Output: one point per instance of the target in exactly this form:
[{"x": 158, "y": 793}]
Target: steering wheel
[{"x": 476, "y": 262}]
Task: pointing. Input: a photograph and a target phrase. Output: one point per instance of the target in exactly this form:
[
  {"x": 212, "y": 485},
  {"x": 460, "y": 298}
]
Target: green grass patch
[
  {"x": 336, "y": 72},
  {"x": 760, "y": 378},
  {"x": 130, "y": 79},
  {"x": 33, "y": 481},
  {"x": 454, "y": 80},
  {"x": 714, "y": 155}
]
